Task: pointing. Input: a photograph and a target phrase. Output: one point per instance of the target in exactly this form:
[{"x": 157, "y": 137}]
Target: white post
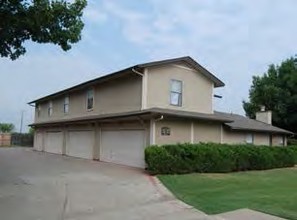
[
  {"x": 222, "y": 134},
  {"x": 64, "y": 140},
  {"x": 144, "y": 89},
  {"x": 152, "y": 132},
  {"x": 192, "y": 132}
]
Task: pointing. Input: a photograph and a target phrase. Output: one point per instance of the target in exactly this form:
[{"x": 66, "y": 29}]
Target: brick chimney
[{"x": 264, "y": 116}]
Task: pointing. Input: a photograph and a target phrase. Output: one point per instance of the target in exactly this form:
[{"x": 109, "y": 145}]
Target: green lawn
[{"x": 272, "y": 191}]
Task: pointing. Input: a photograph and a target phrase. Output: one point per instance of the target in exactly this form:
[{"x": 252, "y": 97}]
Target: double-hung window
[
  {"x": 66, "y": 104},
  {"x": 90, "y": 99},
  {"x": 50, "y": 108},
  {"x": 176, "y": 92}
]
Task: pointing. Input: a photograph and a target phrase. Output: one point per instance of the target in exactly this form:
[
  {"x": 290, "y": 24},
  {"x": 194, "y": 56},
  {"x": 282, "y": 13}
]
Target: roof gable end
[
  {"x": 191, "y": 62},
  {"x": 188, "y": 60}
]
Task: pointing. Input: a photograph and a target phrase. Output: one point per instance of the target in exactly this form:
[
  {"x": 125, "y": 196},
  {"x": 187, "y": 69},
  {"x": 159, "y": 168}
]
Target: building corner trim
[
  {"x": 222, "y": 134},
  {"x": 152, "y": 132},
  {"x": 192, "y": 132},
  {"x": 144, "y": 89}
]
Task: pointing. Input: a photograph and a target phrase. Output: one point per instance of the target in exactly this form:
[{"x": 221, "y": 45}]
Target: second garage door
[
  {"x": 124, "y": 147},
  {"x": 53, "y": 142},
  {"x": 80, "y": 144}
]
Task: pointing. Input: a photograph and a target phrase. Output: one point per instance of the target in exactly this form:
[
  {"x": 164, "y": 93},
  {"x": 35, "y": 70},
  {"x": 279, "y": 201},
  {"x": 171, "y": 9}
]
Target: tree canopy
[
  {"x": 277, "y": 91},
  {"x": 42, "y": 21},
  {"x": 6, "y": 127}
]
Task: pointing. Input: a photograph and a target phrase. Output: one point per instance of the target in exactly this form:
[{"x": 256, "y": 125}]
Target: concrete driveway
[{"x": 42, "y": 186}]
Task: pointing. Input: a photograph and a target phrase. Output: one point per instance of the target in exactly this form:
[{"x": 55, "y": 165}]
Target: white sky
[{"x": 234, "y": 39}]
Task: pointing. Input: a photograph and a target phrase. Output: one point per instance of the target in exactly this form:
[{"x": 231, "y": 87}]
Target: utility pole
[{"x": 22, "y": 118}]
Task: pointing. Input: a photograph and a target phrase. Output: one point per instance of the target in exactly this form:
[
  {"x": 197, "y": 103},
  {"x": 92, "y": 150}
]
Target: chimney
[{"x": 264, "y": 116}]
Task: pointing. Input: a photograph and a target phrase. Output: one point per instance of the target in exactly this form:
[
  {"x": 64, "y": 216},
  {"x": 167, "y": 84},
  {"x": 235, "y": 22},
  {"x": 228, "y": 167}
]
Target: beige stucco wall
[
  {"x": 261, "y": 139},
  {"x": 207, "y": 132},
  {"x": 119, "y": 95},
  {"x": 180, "y": 132},
  {"x": 239, "y": 137},
  {"x": 277, "y": 140},
  {"x": 197, "y": 89},
  {"x": 233, "y": 137}
]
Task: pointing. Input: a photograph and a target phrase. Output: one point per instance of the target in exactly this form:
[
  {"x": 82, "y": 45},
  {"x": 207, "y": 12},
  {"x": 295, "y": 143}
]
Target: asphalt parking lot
[{"x": 42, "y": 186}]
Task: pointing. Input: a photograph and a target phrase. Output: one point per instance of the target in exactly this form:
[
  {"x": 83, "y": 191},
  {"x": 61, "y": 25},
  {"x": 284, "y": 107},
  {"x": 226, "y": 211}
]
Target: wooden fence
[
  {"x": 5, "y": 139},
  {"x": 16, "y": 139}
]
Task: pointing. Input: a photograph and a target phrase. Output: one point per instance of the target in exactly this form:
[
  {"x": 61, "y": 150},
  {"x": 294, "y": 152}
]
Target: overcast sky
[{"x": 233, "y": 39}]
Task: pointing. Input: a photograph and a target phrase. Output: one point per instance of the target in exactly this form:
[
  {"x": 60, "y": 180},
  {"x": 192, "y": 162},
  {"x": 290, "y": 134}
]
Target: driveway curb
[{"x": 166, "y": 193}]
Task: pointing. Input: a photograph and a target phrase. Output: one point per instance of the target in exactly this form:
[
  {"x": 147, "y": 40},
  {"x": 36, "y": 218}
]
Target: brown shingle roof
[
  {"x": 233, "y": 121},
  {"x": 240, "y": 122},
  {"x": 152, "y": 111}
]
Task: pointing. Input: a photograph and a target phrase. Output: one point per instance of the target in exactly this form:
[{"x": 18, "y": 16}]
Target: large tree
[
  {"x": 42, "y": 21},
  {"x": 277, "y": 91},
  {"x": 6, "y": 127}
]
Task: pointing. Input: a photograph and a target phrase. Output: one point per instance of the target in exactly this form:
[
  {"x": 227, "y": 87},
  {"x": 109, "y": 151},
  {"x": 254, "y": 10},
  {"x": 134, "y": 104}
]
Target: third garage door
[
  {"x": 80, "y": 144},
  {"x": 124, "y": 147}
]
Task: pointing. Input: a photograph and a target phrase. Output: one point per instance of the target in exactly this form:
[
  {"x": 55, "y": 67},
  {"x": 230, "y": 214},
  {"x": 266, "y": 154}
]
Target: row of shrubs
[{"x": 216, "y": 158}]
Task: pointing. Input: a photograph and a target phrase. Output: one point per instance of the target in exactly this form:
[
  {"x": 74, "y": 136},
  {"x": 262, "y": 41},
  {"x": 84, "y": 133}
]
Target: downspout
[
  {"x": 137, "y": 72},
  {"x": 144, "y": 87},
  {"x": 153, "y": 129},
  {"x": 159, "y": 119}
]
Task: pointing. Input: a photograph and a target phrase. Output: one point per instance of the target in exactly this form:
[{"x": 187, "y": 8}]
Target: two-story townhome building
[{"x": 114, "y": 117}]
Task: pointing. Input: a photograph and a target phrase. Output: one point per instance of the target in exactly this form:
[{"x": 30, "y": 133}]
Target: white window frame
[
  {"x": 66, "y": 105},
  {"x": 249, "y": 138},
  {"x": 180, "y": 94},
  {"x": 50, "y": 108},
  {"x": 282, "y": 141},
  {"x": 87, "y": 99}
]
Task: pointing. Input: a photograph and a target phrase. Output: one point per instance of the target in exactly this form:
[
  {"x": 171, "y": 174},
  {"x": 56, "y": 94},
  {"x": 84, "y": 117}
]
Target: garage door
[
  {"x": 124, "y": 147},
  {"x": 80, "y": 144},
  {"x": 38, "y": 141},
  {"x": 53, "y": 142}
]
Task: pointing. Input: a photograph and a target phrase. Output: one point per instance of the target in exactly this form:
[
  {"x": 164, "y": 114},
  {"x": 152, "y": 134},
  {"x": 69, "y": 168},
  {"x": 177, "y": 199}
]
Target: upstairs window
[
  {"x": 90, "y": 99},
  {"x": 66, "y": 104},
  {"x": 176, "y": 93},
  {"x": 249, "y": 138},
  {"x": 50, "y": 108}
]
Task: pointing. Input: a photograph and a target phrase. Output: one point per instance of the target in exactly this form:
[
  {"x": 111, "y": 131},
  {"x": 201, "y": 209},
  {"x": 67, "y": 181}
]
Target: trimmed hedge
[{"x": 216, "y": 158}]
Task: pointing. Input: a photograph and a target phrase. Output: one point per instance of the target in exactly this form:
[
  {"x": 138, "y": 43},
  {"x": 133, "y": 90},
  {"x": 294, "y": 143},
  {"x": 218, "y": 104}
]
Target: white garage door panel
[
  {"x": 80, "y": 144},
  {"x": 123, "y": 147},
  {"x": 38, "y": 141},
  {"x": 54, "y": 142}
]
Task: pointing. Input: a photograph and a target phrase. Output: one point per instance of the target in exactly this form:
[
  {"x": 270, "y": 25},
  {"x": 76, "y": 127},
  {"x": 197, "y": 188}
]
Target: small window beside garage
[
  {"x": 90, "y": 99},
  {"x": 282, "y": 141},
  {"x": 50, "y": 108},
  {"x": 249, "y": 138},
  {"x": 165, "y": 131},
  {"x": 66, "y": 104},
  {"x": 176, "y": 92}
]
